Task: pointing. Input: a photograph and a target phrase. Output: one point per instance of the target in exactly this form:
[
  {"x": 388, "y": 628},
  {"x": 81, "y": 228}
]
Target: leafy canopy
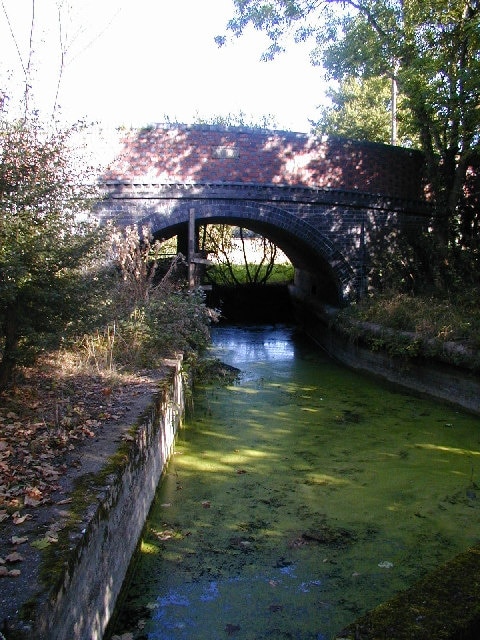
[{"x": 432, "y": 49}]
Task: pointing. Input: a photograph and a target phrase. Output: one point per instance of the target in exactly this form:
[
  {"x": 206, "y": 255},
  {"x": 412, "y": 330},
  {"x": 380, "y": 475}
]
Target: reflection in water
[
  {"x": 256, "y": 351},
  {"x": 298, "y": 498}
]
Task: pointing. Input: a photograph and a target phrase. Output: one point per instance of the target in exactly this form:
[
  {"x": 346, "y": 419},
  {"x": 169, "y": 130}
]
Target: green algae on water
[{"x": 299, "y": 498}]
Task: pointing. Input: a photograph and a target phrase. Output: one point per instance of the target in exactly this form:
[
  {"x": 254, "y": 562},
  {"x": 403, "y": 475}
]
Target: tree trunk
[{"x": 11, "y": 339}]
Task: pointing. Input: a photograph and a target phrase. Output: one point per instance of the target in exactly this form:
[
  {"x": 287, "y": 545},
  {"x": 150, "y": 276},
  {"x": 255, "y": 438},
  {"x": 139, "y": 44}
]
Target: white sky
[{"x": 136, "y": 62}]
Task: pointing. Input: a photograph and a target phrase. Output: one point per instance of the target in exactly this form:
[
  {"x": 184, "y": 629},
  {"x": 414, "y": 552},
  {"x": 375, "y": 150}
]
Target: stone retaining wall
[{"x": 81, "y": 602}]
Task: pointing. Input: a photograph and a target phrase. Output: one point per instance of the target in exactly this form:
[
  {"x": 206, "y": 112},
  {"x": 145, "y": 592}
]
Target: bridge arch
[
  {"x": 329, "y": 204},
  {"x": 307, "y": 249}
]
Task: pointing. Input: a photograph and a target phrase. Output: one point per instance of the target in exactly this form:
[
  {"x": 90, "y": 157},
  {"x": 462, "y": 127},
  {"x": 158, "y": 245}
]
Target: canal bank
[
  {"x": 449, "y": 373},
  {"x": 67, "y": 588}
]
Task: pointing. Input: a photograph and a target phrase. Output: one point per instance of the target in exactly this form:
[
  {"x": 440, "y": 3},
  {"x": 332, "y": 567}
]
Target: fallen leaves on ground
[
  {"x": 12, "y": 573},
  {"x": 46, "y": 416},
  {"x": 45, "y": 420},
  {"x": 12, "y": 558},
  {"x": 18, "y": 518}
]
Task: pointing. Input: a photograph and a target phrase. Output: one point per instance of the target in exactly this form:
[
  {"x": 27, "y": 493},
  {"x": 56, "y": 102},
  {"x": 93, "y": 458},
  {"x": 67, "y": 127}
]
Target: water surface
[{"x": 298, "y": 498}]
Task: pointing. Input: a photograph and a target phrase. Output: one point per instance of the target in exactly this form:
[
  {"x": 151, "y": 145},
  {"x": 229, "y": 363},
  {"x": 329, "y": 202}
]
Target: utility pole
[
  {"x": 394, "y": 103},
  {"x": 191, "y": 250}
]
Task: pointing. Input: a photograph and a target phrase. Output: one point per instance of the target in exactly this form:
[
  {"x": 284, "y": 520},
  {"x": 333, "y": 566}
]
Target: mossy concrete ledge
[
  {"x": 445, "y": 605},
  {"x": 83, "y": 574}
]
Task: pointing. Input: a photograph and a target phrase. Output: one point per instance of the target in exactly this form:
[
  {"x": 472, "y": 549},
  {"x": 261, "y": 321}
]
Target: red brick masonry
[{"x": 208, "y": 154}]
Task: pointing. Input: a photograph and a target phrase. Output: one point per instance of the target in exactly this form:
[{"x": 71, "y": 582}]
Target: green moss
[
  {"x": 445, "y": 605},
  {"x": 57, "y": 557},
  {"x": 415, "y": 326}
]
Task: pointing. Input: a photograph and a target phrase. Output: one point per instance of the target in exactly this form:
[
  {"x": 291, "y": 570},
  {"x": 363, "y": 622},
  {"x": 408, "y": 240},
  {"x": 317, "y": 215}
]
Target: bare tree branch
[
  {"x": 62, "y": 58},
  {"x": 25, "y": 73}
]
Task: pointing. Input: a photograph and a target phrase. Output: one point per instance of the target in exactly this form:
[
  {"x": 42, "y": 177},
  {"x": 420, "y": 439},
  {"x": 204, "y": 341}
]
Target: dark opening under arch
[{"x": 307, "y": 249}]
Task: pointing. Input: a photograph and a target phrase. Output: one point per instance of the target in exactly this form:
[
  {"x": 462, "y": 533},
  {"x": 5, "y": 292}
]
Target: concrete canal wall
[
  {"x": 89, "y": 575},
  {"x": 433, "y": 376},
  {"x": 86, "y": 575}
]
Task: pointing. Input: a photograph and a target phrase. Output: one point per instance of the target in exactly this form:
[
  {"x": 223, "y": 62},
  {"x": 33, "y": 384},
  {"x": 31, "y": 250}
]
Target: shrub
[{"x": 48, "y": 249}]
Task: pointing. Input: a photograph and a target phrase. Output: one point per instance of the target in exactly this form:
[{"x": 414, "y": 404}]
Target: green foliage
[
  {"x": 49, "y": 252},
  {"x": 361, "y": 110},
  {"x": 453, "y": 319},
  {"x": 418, "y": 264},
  {"x": 173, "y": 321},
  {"x": 151, "y": 318},
  {"x": 220, "y": 274},
  {"x": 431, "y": 48}
]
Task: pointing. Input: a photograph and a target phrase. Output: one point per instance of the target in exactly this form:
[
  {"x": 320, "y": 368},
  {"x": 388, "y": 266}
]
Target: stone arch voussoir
[{"x": 265, "y": 215}]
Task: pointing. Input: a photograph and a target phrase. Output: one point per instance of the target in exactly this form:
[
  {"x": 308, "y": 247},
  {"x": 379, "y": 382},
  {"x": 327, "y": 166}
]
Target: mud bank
[
  {"x": 77, "y": 581},
  {"x": 432, "y": 376}
]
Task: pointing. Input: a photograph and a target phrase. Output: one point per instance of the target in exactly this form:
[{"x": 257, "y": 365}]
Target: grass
[
  {"x": 443, "y": 319},
  {"x": 219, "y": 274}
]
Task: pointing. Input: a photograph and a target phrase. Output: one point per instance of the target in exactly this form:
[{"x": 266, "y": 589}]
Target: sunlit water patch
[{"x": 298, "y": 498}]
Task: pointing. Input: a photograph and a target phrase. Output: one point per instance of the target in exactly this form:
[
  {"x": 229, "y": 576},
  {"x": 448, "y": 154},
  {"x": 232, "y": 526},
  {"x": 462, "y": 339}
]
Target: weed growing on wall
[{"x": 408, "y": 326}]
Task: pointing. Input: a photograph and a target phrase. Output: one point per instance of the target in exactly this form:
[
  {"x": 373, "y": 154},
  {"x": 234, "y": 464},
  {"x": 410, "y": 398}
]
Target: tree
[
  {"x": 361, "y": 109},
  {"x": 431, "y": 50},
  {"x": 258, "y": 254},
  {"x": 47, "y": 245}
]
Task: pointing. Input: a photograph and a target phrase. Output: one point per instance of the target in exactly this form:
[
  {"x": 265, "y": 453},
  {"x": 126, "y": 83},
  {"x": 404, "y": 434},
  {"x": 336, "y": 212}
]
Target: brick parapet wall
[
  {"x": 328, "y": 203},
  {"x": 200, "y": 154}
]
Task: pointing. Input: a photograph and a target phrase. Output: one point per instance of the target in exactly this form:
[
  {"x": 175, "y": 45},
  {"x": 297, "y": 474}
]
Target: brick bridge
[{"x": 324, "y": 202}]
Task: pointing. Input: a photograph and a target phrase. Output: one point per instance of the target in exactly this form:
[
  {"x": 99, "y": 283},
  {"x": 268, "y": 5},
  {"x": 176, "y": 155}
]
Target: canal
[{"x": 298, "y": 497}]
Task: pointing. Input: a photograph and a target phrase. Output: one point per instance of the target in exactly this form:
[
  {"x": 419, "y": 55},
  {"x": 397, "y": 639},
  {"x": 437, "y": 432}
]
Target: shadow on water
[{"x": 298, "y": 498}]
